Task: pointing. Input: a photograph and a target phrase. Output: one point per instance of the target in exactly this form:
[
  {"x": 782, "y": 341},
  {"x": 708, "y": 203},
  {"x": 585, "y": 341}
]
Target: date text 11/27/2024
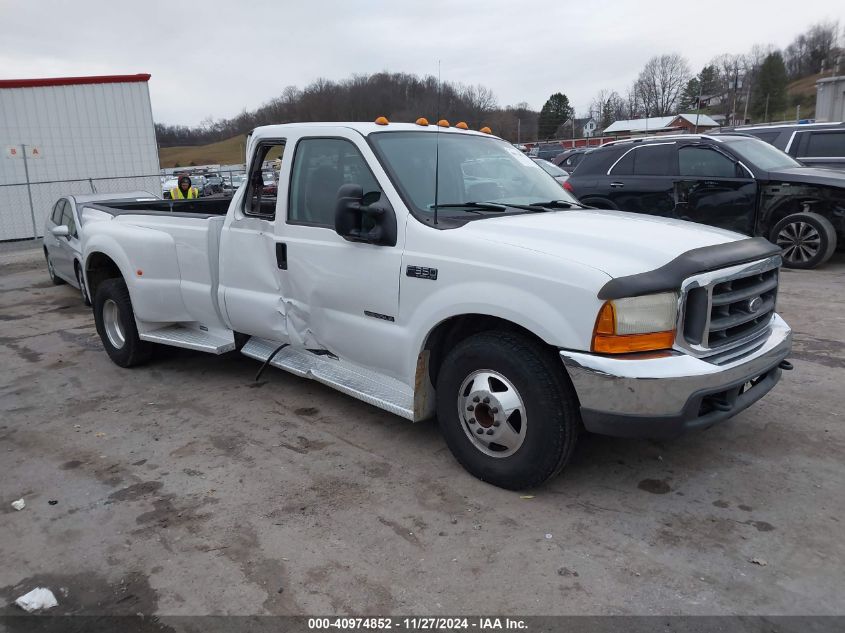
[{"x": 417, "y": 624}]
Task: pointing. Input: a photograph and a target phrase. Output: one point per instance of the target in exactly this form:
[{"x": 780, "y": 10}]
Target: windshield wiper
[
  {"x": 470, "y": 206},
  {"x": 558, "y": 204}
]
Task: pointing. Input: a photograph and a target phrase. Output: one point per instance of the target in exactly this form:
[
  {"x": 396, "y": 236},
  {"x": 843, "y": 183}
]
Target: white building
[
  {"x": 71, "y": 135},
  {"x": 830, "y": 99}
]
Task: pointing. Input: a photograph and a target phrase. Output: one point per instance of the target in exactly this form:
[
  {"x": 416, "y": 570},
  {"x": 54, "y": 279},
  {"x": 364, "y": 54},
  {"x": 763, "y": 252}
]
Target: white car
[
  {"x": 438, "y": 271},
  {"x": 62, "y": 237}
]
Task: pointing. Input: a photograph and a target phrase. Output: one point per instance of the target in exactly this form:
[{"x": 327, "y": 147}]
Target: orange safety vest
[{"x": 176, "y": 193}]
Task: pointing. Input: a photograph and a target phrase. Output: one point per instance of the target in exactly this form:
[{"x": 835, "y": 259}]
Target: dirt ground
[{"x": 183, "y": 487}]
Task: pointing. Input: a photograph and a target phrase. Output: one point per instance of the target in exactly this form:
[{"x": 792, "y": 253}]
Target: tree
[
  {"x": 770, "y": 91},
  {"x": 689, "y": 97},
  {"x": 661, "y": 83},
  {"x": 555, "y": 112}
]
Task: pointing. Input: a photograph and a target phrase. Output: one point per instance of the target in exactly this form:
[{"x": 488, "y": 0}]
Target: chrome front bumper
[{"x": 638, "y": 396}]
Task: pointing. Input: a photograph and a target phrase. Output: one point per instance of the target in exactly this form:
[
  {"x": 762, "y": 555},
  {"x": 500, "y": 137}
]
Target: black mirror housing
[{"x": 373, "y": 223}]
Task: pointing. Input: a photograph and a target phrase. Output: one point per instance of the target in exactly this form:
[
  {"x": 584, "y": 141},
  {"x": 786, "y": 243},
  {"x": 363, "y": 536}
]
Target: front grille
[{"x": 729, "y": 311}]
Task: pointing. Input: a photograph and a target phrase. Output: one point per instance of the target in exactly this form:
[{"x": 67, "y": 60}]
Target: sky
[{"x": 215, "y": 59}]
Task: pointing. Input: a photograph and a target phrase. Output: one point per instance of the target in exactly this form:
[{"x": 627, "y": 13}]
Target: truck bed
[{"x": 179, "y": 208}]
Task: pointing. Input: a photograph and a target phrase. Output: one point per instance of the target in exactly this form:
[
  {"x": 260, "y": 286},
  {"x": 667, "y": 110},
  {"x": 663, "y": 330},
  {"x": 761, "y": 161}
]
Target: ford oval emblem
[{"x": 755, "y": 304}]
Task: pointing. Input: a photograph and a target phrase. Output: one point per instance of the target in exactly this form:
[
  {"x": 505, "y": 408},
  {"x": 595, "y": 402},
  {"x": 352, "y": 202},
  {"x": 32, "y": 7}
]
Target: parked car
[
  {"x": 546, "y": 151},
  {"x": 213, "y": 183},
  {"x": 271, "y": 185},
  {"x": 231, "y": 184},
  {"x": 167, "y": 186},
  {"x": 62, "y": 237},
  {"x": 812, "y": 144},
  {"x": 504, "y": 308},
  {"x": 569, "y": 159},
  {"x": 552, "y": 170},
  {"x": 735, "y": 182}
]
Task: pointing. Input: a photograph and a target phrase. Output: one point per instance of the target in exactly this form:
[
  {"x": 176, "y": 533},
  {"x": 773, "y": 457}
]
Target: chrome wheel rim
[
  {"x": 112, "y": 324},
  {"x": 492, "y": 413},
  {"x": 800, "y": 242}
]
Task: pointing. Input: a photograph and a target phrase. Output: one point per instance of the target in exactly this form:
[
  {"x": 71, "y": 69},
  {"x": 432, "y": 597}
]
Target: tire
[
  {"x": 808, "y": 239},
  {"x": 509, "y": 369},
  {"x": 51, "y": 270},
  {"x": 83, "y": 290},
  {"x": 115, "y": 321}
]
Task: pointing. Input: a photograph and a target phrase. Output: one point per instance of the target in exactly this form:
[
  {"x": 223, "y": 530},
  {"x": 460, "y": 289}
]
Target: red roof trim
[{"x": 73, "y": 81}]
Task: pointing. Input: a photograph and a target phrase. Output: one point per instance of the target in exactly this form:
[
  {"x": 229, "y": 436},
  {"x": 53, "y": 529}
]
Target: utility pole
[
  {"x": 29, "y": 192},
  {"x": 518, "y": 131},
  {"x": 766, "y": 118}
]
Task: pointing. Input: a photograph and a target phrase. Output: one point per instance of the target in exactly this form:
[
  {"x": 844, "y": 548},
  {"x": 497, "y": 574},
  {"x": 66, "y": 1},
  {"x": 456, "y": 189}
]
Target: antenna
[{"x": 437, "y": 145}]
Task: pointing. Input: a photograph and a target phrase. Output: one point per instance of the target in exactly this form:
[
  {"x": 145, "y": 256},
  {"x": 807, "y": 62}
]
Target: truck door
[
  {"x": 250, "y": 291},
  {"x": 343, "y": 295},
  {"x": 714, "y": 189}
]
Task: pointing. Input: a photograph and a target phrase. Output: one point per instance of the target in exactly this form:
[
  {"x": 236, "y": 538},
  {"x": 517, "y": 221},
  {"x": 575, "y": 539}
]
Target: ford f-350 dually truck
[{"x": 436, "y": 271}]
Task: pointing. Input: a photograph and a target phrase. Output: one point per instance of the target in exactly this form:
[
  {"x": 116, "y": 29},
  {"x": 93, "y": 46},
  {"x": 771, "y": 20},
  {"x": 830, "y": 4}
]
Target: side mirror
[
  {"x": 367, "y": 219},
  {"x": 60, "y": 231}
]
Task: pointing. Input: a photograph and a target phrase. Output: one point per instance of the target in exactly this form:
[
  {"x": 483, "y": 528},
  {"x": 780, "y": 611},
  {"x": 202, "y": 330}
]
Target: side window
[
  {"x": 320, "y": 167},
  {"x": 655, "y": 160},
  {"x": 263, "y": 180},
  {"x": 67, "y": 220},
  {"x": 705, "y": 163},
  {"x": 825, "y": 144},
  {"x": 624, "y": 166},
  {"x": 56, "y": 217}
]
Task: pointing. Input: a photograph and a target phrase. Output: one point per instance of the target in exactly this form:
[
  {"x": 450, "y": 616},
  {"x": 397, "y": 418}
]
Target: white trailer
[{"x": 72, "y": 135}]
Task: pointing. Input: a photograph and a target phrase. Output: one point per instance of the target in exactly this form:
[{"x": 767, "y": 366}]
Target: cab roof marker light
[
  {"x": 443, "y": 123},
  {"x": 486, "y": 130},
  {"x": 382, "y": 120},
  {"x": 422, "y": 121},
  {"x": 462, "y": 126}
]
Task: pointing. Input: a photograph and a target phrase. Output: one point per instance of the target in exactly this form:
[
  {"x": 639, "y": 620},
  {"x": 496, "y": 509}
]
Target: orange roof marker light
[
  {"x": 486, "y": 130},
  {"x": 382, "y": 120},
  {"x": 443, "y": 123},
  {"x": 422, "y": 121},
  {"x": 462, "y": 126}
]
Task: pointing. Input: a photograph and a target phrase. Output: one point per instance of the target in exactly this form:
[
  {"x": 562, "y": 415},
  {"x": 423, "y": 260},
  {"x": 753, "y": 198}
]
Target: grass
[{"x": 228, "y": 152}]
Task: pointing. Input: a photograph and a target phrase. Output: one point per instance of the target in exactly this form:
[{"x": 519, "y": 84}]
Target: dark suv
[
  {"x": 736, "y": 182},
  {"x": 813, "y": 144}
]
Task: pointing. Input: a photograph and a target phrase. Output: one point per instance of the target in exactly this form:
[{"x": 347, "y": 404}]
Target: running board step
[
  {"x": 190, "y": 338},
  {"x": 371, "y": 387}
]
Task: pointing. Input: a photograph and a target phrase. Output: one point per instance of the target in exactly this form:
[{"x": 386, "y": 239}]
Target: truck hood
[
  {"x": 810, "y": 176},
  {"x": 615, "y": 242}
]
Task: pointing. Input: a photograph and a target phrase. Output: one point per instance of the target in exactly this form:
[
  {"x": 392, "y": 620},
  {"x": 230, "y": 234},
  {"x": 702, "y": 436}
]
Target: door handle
[
  {"x": 282, "y": 255},
  {"x": 617, "y": 185}
]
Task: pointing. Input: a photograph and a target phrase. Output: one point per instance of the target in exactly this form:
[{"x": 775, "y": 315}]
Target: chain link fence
[{"x": 24, "y": 206}]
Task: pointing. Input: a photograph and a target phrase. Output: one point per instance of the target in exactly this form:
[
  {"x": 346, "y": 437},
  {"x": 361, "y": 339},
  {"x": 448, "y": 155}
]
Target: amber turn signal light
[{"x": 606, "y": 341}]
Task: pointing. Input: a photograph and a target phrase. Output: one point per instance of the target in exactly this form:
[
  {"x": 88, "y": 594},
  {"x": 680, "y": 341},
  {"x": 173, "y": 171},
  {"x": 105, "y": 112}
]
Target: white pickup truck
[{"x": 436, "y": 271}]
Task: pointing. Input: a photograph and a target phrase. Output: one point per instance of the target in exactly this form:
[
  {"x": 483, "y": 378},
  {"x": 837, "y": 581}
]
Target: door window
[
  {"x": 68, "y": 221},
  {"x": 56, "y": 217},
  {"x": 703, "y": 162},
  {"x": 624, "y": 166},
  {"x": 320, "y": 167},
  {"x": 263, "y": 180},
  {"x": 825, "y": 144},
  {"x": 655, "y": 160}
]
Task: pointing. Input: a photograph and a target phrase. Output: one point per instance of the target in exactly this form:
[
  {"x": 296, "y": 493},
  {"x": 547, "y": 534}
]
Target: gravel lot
[{"x": 183, "y": 487}]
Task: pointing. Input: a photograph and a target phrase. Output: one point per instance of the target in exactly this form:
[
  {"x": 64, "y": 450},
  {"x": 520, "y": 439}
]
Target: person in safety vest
[{"x": 184, "y": 191}]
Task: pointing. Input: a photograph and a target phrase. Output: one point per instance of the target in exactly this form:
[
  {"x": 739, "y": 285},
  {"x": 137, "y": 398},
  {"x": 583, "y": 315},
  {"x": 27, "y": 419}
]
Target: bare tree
[{"x": 661, "y": 82}]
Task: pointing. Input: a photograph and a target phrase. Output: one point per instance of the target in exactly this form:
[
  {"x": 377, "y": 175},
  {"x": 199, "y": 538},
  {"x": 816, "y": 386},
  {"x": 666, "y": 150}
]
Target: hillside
[
  {"x": 803, "y": 91},
  {"x": 228, "y": 152}
]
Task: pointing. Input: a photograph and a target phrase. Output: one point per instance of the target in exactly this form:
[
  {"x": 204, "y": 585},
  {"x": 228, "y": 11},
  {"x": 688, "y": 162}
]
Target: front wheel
[
  {"x": 808, "y": 239},
  {"x": 115, "y": 321},
  {"x": 51, "y": 270},
  {"x": 507, "y": 410}
]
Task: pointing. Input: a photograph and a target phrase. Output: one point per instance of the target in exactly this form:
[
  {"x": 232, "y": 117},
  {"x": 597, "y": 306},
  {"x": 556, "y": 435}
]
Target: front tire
[
  {"x": 51, "y": 270},
  {"x": 83, "y": 290},
  {"x": 507, "y": 409},
  {"x": 115, "y": 321},
  {"x": 808, "y": 239}
]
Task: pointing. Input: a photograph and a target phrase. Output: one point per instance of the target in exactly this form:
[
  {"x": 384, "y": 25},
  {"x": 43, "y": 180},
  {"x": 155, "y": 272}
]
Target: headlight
[{"x": 636, "y": 324}]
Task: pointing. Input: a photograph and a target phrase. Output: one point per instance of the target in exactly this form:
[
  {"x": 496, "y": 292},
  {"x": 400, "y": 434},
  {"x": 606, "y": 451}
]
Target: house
[
  {"x": 657, "y": 124},
  {"x": 588, "y": 127},
  {"x": 830, "y": 99},
  {"x": 710, "y": 101}
]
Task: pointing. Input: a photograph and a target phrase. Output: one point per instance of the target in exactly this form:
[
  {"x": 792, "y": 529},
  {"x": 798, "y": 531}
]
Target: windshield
[
  {"x": 550, "y": 168},
  {"x": 761, "y": 154},
  {"x": 472, "y": 169}
]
